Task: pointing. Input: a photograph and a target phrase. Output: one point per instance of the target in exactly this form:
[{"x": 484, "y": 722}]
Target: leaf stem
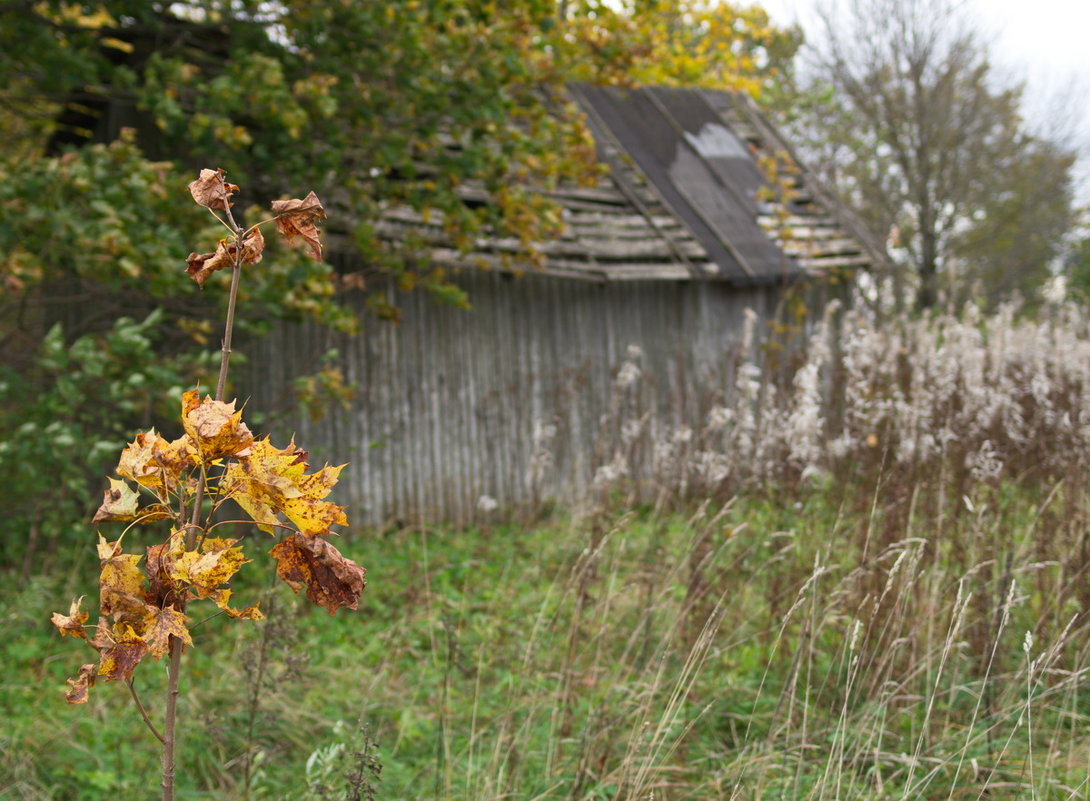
[
  {"x": 254, "y": 523},
  {"x": 143, "y": 711},
  {"x": 225, "y": 358},
  {"x": 220, "y": 221}
]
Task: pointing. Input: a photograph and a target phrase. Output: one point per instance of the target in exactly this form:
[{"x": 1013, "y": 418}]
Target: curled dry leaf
[
  {"x": 78, "y": 687},
  {"x": 201, "y": 265},
  {"x": 118, "y": 504},
  {"x": 71, "y": 625},
  {"x": 222, "y": 598},
  {"x": 153, "y": 462},
  {"x": 332, "y": 580},
  {"x": 268, "y": 481},
  {"x": 211, "y": 191},
  {"x": 295, "y": 219},
  {"x": 253, "y": 245},
  {"x": 214, "y": 426}
]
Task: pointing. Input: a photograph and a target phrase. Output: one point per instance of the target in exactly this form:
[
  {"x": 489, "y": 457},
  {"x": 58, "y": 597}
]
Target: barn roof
[{"x": 699, "y": 186}]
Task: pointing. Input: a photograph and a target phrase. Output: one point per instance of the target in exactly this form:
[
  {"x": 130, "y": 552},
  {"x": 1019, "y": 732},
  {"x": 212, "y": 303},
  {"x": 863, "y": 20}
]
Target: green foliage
[
  {"x": 400, "y": 103},
  {"x": 66, "y": 416},
  {"x": 91, "y": 240}
]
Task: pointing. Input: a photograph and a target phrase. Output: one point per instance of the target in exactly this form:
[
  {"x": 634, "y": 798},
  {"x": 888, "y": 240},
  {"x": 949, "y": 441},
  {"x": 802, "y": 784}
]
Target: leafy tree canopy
[
  {"x": 108, "y": 108},
  {"x": 904, "y": 112}
]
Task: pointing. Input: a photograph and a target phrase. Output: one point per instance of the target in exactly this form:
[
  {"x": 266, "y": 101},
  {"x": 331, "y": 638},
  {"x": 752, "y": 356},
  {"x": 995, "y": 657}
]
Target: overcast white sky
[{"x": 1044, "y": 42}]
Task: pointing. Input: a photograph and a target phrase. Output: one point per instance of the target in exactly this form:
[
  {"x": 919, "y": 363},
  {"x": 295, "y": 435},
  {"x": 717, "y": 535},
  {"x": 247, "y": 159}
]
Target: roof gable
[{"x": 685, "y": 198}]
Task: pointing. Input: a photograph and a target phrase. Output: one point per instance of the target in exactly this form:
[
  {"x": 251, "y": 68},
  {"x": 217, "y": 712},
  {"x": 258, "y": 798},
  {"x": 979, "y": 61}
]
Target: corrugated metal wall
[{"x": 448, "y": 400}]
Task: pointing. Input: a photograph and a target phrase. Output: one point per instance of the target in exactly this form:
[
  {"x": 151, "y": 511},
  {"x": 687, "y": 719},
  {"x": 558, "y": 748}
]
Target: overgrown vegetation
[
  {"x": 914, "y": 627},
  {"x": 788, "y": 645}
]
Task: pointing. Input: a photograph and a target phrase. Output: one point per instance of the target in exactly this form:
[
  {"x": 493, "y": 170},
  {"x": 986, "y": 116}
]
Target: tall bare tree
[{"x": 910, "y": 122}]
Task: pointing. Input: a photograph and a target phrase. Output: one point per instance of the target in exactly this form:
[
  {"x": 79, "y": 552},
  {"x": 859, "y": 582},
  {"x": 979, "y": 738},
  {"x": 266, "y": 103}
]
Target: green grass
[{"x": 822, "y": 645}]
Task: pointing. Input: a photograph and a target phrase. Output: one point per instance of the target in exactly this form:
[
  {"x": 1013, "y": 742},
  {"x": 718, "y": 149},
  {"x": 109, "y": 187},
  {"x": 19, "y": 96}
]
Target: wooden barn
[{"x": 638, "y": 310}]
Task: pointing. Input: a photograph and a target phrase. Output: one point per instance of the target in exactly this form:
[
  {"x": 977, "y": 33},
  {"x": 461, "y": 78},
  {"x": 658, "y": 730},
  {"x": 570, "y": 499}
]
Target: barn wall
[{"x": 448, "y": 400}]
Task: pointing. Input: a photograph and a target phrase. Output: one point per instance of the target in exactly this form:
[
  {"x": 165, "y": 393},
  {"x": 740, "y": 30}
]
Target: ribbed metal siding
[{"x": 448, "y": 399}]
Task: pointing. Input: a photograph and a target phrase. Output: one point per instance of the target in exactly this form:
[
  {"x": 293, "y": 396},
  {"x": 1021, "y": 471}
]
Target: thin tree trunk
[
  {"x": 175, "y": 669},
  {"x": 173, "y": 675}
]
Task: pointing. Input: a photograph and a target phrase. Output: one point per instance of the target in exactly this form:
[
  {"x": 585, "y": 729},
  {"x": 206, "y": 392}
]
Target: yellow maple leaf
[
  {"x": 161, "y": 624},
  {"x": 215, "y": 428},
  {"x": 269, "y": 481},
  {"x": 210, "y": 567},
  {"x": 121, "y": 590},
  {"x": 118, "y": 504},
  {"x": 222, "y": 597},
  {"x": 121, "y": 657},
  {"x": 155, "y": 463}
]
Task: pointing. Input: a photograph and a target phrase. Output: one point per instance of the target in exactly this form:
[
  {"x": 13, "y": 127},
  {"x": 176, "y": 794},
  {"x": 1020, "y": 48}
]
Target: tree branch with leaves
[{"x": 144, "y": 598}]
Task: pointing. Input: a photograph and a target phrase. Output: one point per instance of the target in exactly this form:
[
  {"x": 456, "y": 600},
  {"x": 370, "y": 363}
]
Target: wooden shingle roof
[{"x": 699, "y": 187}]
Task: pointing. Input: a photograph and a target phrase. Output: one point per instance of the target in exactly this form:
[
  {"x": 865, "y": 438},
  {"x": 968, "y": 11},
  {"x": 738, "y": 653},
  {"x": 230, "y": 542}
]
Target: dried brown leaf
[
  {"x": 332, "y": 581},
  {"x": 253, "y": 246},
  {"x": 71, "y": 625},
  {"x": 201, "y": 265},
  {"x": 295, "y": 219},
  {"x": 211, "y": 191},
  {"x": 79, "y": 686}
]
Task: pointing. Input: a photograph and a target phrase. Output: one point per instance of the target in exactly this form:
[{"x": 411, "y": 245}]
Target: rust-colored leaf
[
  {"x": 71, "y": 625},
  {"x": 79, "y": 686},
  {"x": 162, "y": 624},
  {"x": 211, "y": 191},
  {"x": 332, "y": 581},
  {"x": 118, "y": 504},
  {"x": 295, "y": 219},
  {"x": 253, "y": 246},
  {"x": 214, "y": 426},
  {"x": 121, "y": 657},
  {"x": 270, "y": 480},
  {"x": 201, "y": 265}
]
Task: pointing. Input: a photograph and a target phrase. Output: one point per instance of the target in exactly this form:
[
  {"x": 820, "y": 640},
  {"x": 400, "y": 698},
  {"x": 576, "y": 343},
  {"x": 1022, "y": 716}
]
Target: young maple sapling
[{"x": 143, "y": 608}]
